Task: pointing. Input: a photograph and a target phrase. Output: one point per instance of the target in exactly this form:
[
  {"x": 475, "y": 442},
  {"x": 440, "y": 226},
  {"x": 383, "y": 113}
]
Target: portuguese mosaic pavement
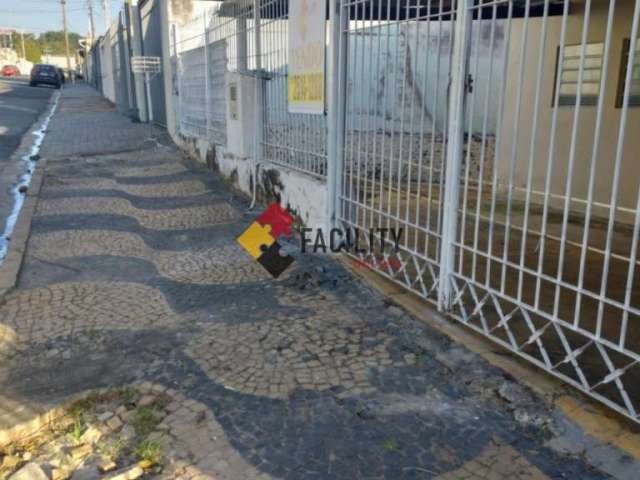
[{"x": 133, "y": 277}]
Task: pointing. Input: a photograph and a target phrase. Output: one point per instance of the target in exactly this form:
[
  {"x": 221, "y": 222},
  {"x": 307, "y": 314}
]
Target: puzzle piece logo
[{"x": 260, "y": 240}]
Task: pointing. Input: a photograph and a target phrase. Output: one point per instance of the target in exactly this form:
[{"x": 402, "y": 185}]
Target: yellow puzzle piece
[{"x": 254, "y": 237}]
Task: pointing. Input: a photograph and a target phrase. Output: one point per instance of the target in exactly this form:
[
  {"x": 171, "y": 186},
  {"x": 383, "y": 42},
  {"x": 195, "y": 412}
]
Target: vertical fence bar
[
  {"x": 206, "y": 74},
  {"x": 550, "y": 158},
  {"x": 260, "y": 118},
  {"x": 514, "y": 148},
  {"x": 532, "y": 148},
  {"x": 178, "y": 76},
  {"x": 455, "y": 140},
  {"x": 594, "y": 160},
  {"x": 337, "y": 112},
  {"x": 572, "y": 157},
  {"x": 613, "y": 203},
  {"x": 241, "y": 43}
]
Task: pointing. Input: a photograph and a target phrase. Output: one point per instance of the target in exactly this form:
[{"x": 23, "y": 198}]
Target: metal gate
[
  {"x": 397, "y": 59},
  {"x": 494, "y": 133}
]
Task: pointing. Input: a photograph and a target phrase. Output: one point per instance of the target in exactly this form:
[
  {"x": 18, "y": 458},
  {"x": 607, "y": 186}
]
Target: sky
[{"x": 37, "y": 16}]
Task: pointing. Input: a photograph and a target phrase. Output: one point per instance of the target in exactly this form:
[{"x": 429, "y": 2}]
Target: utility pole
[
  {"x": 91, "y": 22},
  {"x": 66, "y": 35},
  {"x": 106, "y": 8},
  {"x": 24, "y": 55}
]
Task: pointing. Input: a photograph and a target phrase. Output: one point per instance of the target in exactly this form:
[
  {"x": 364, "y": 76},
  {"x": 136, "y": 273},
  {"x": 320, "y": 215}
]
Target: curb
[
  {"x": 11, "y": 265},
  {"x": 594, "y": 419}
]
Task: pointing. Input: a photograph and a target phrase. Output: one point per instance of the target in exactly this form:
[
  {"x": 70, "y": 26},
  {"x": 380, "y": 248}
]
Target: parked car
[
  {"x": 45, "y": 74},
  {"x": 62, "y": 76},
  {"x": 10, "y": 71}
]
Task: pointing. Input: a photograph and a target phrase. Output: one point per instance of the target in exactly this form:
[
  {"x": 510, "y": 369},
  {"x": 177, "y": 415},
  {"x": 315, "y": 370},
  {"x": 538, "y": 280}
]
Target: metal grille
[
  {"x": 397, "y": 69},
  {"x": 296, "y": 141},
  {"x": 520, "y": 212},
  {"x": 205, "y": 48},
  {"x": 546, "y": 252}
]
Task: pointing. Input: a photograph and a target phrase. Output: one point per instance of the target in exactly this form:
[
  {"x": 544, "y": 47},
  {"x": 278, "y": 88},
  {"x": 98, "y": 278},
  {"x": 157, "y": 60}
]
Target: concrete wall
[
  {"x": 106, "y": 66},
  {"x": 59, "y": 60},
  {"x": 522, "y": 135}
]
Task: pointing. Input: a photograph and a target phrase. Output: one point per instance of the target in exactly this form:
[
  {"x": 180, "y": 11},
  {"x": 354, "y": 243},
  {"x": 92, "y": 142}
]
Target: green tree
[
  {"x": 32, "y": 50},
  {"x": 31, "y": 47},
  {"x": 53, "y": 42}
]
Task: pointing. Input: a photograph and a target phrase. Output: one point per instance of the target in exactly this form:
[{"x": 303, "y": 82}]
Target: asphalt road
[{"x": 20, "y": 107}]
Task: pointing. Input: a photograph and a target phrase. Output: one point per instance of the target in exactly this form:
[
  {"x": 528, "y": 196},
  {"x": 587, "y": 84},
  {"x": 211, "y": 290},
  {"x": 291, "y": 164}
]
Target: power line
[{"x": 32, "y": 12}]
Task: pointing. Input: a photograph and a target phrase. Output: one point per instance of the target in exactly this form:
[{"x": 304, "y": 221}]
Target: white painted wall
[
  {"x": 630, "y": 171},
  {"x": 106, "y": 67}
]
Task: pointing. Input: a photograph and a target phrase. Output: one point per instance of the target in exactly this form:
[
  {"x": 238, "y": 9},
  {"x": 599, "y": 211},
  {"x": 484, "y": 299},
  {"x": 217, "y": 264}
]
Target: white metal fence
[
  {"x": 501, "y": 137},
  {"x": 205, "y": 48},
  {"x": 293, "y": 140},
  {"x": 511, "y": 200}
]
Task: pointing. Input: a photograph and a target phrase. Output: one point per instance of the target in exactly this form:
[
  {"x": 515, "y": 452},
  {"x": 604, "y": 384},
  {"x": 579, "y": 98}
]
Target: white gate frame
[
  {"x": 455, "y": 143},
  {"x": 337, "y": 109},
  {"x": 455, "y": 131}
]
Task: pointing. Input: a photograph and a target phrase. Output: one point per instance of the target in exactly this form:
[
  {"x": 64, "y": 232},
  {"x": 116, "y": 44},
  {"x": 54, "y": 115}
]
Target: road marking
[{"x": 18, "y": 109}]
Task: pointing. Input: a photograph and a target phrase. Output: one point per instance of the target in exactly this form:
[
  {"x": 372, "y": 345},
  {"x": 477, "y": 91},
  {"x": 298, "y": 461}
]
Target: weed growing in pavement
[
  {"x": 112, "y": 449},
  {"x": 77, "y": 429},
  {"x": 390, "y": 445},
  {"x": 82, "y": 406},
  {"x": 145, "y": 421},
  {"x": 149, "y": 452},
  {"x": 127, "y": 395}
]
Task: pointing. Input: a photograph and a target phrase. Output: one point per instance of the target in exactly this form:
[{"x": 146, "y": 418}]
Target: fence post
[
  {"x": 206, "y": 75},
  {"x": 241, "y": 46},
  {"x": 166, "y": 17},
  {"x": 337, "y": 77},
  {"x": 259, "y": 90},
  {"x": 178, "y": 78},
  {"x": 455, "y": 142}
]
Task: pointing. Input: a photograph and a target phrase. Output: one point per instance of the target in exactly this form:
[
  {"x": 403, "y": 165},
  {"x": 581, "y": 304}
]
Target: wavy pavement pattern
[
  {"x": 125, "y": 171},
  {"x": 166, "y": 219},
  {"x": 186, "y": 188},
  {"x": 37, "y": 315},
  {"x": 210, "y": 266}
]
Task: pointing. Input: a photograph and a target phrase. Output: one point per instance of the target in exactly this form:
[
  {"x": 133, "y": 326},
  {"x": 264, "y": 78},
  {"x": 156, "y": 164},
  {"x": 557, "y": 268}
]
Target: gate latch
[{"x": 469, "y": 83}]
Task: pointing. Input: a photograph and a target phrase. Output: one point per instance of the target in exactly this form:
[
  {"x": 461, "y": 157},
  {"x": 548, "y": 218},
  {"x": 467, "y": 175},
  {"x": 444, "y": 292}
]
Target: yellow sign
[{"x": 307, "y": 27}]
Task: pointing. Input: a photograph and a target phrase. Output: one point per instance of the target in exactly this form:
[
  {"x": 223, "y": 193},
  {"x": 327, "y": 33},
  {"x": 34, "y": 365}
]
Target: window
[
  {"x": 569, "y": 73},
  {"x": 634, "y": 93}
]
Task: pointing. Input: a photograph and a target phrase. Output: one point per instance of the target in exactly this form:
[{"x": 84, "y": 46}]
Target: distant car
[
  {"x": 10, "y": 71},
  {"x": 45, "y": 74}
]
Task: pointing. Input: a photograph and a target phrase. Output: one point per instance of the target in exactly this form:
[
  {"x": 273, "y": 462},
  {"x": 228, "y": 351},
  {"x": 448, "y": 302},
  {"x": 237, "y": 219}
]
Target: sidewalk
[{"x": 133, "y": 277}]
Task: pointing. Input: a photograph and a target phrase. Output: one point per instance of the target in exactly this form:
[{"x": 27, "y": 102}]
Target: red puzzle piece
[{"x": 279, "y": 219}]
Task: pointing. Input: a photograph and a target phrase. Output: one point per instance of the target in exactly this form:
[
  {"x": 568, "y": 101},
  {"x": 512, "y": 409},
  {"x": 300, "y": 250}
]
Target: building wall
[
  {"x": 59, "y": 60},
  {"x": 522, "y": 135},
  {"x": 106, "y": 65}
]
